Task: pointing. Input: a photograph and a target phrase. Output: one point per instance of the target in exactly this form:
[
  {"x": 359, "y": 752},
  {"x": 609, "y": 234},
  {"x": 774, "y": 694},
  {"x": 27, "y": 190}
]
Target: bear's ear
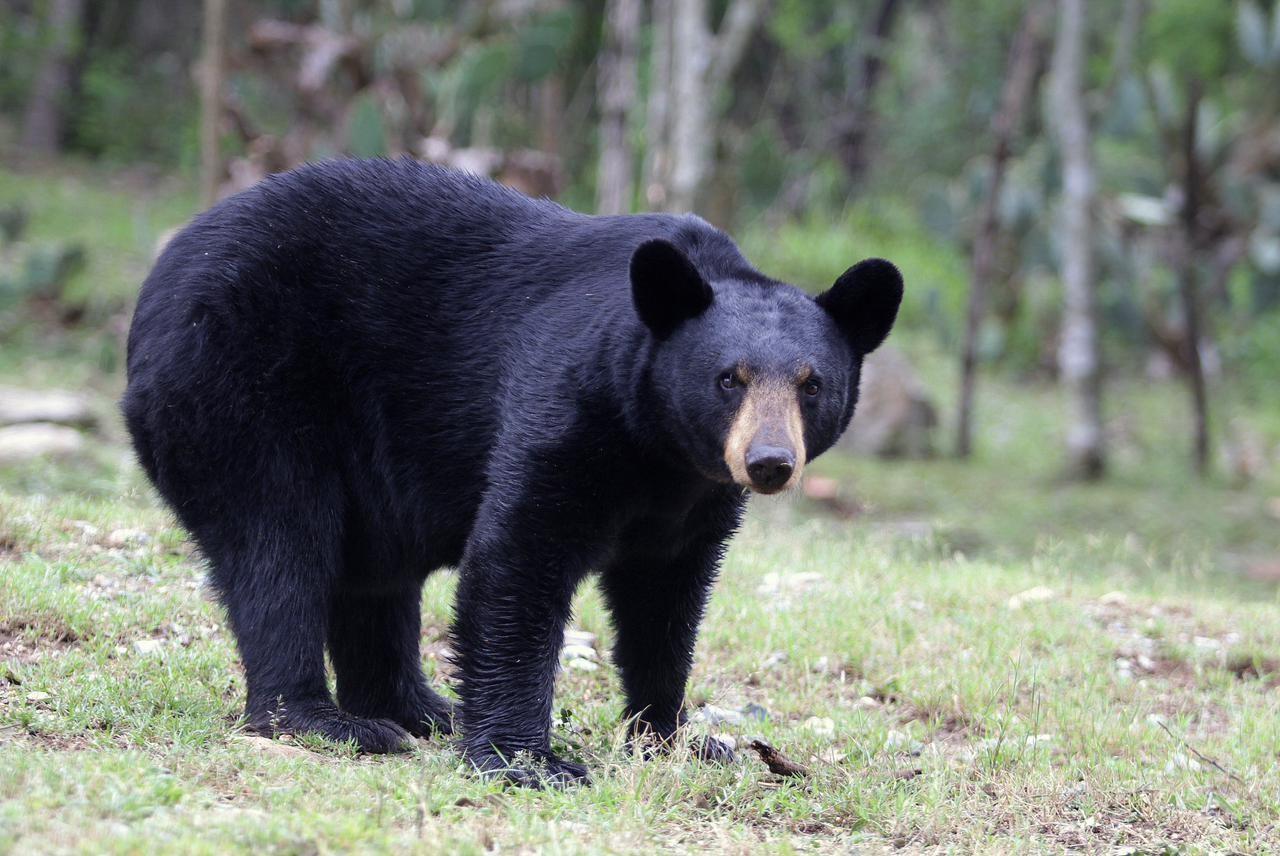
[
  {"x": 864, "y": 303},
  {"x": 666, "y": 288}
]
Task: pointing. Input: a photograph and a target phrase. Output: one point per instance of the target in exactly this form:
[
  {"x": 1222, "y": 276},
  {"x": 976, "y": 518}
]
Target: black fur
[{"x": 359, "y": 372}]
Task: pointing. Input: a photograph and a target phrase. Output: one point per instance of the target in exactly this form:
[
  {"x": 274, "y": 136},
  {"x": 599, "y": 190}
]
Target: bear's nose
[{"x": 769, "y": 467}]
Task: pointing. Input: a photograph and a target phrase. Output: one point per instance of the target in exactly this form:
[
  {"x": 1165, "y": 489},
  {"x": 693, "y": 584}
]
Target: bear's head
[{"x": 756, "y": 377}]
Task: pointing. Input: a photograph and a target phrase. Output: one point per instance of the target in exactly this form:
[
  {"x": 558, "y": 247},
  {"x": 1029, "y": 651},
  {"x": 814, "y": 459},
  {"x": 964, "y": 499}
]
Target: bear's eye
[
  {"x": 728, "y": 380},
  {"x": 812, "y": 387}
]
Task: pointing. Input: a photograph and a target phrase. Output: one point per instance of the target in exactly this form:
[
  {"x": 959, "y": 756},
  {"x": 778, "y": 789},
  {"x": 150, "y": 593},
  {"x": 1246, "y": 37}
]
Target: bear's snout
[
  {"x": 770, "y": 467},
  {"x": 765, "y": 446}
]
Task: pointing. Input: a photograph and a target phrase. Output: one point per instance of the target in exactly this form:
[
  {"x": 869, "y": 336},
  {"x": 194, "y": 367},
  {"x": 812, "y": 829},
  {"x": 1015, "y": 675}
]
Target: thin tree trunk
[
  {"x": 854, "y": 127},
  {"x": 211, "y": 74},
  {"x": 549, "y": 95},
  {"x": 657, "y": 162},
  {"x": 1024, "y": 67},
  {"x": 615, "y": 188},
  {"x": 690, "y": 117},
  {"x": 700, "y": 65},
  {"x": 42, "y": 126},
  {"x": 740, "y": 21},
  {"x": 1078, "y": 358},
  {"x": 1187, "y": 289}
]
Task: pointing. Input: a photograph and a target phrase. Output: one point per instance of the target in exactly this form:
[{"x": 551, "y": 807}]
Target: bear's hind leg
[
  {"x": 277, "y": 582},
  {"x": 374, "y": 645}
]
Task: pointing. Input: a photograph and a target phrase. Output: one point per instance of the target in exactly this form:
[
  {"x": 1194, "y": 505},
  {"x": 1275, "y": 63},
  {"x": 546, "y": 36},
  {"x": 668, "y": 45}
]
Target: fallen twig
[
  {"x": 1203, "y": 757},
  {"x": 778, "y": 763}
]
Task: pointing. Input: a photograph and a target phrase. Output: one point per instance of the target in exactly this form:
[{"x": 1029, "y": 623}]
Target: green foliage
[
  {"x": 814, "y": 251},
  {"x": 1192, "y": 38},
  {"x": 131, "y": 111},
  {"x": 762, "y": 168},
  {"x": 541, "y": 45},
  {"x": 366, "y": 137},
  {"x": 21, "y": 40}
]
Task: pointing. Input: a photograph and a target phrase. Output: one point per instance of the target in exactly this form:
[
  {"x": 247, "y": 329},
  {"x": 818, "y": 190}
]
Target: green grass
[
  {"x": 983, "y": 659},
  {"x": 1026, "y": 730}
]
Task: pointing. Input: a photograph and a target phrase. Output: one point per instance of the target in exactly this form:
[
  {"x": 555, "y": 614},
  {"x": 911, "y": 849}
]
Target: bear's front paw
[
  {"x": 374, "y": 736},
  {"x": 711, "y": 749},
  {"x": 527, "y": 769}
]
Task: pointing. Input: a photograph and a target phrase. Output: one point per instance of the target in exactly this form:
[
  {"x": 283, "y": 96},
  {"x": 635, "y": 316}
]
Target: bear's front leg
[
  {"x": 657, "y": 603},
  {"x": 514, "y": 598}
]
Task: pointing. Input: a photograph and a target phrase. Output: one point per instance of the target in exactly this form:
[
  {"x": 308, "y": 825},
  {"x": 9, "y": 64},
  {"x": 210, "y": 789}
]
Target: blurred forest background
[{"x": 1084, "y": 199}]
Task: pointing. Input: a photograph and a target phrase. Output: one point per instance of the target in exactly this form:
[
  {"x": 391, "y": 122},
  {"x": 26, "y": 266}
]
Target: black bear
[{"x": 359, "y": 372}]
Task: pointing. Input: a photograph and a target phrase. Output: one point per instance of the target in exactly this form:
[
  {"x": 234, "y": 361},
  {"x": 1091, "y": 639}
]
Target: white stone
[
  {"x": 822, "y": 726},
  {"x": 33, "y": 440},
  {"x": 127, "y": 538},
  {"x": 577, "y": 652},
  {"x": 1036, "y": 594},
  {"x": 580, "y": 637},
  {"x": 148, "y": 646},
  {"x": 713, "y": 715},
  {"x": 61, "y": 407}
]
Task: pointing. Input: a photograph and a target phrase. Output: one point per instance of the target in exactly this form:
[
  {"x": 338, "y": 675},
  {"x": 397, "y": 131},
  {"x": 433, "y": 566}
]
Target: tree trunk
[
  {"x": 1078, "y": 357},
  {"x": 690, "y": 125},
  {"x": 1187, "y": 289},
  {"x": 854, "y": 126},
  {"x": 1023, "y": 70},
  {"x": 700, "y": 65},
  {"x": 657, "y": 159},
  {"x": 615, "y": 189},
  {"x": 42, "y": 126},
  {"x": 211, "y": 74}
]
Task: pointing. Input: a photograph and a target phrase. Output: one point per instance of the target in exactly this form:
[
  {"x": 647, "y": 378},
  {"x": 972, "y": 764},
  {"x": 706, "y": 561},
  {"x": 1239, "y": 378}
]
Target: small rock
[
  {"x": 777, "y": 658},
  {"x": 147, "y": 647},
  {"x": 127, "y": 538},
  {"x": 56, "y": 406},
  {"x": 897, "y": 741},
  {"x": 274, "y": 747},
  {"x": 87, "y": 529},
  {"x": 822, "y": 664},
  {"x": 727, "y": 739},
  {"x": 713, "y": 715},
  {"x": 754, "y": 711},
  {"x": 580, "y": 637},
  {"x": 821, "y": 726},
  {"x": 33, "y": 440},
  {"x": 1114, "y": 598},
  {"x": 1179, "y": 761},
  {"x": 1035, "y": 741},
  {"x": 577, "y": 652},
  {"x": 1036, "y": 594},
  {"x": 867, "y": 703},
  {"x": 582, "y": 665},
  {"x": 38, "y": 696}
]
